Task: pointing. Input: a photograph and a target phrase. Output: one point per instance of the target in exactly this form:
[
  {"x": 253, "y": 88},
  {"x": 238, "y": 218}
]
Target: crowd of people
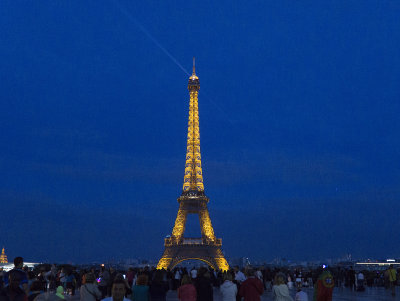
[{"x": 53, "y": 283}]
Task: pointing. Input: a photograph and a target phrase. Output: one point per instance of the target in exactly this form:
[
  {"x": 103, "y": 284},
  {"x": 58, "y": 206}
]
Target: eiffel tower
[
  {"x": 193, "y": 201},
  {"x": 3, "y": 256}
]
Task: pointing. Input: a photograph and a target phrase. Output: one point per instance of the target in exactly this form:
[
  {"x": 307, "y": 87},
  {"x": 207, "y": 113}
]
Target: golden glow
[
  {"x": 179, "y": 227},
  {"x": 164, "y": 263},
  {"x": 222, "y": 264},
  {"x": 193, "y": 201},
  {"x": 205, "y": 225},
  {"x": 207, "y": 230},
  {"x": 3, "y": 257},
  {"x": 193, "y": 179}
]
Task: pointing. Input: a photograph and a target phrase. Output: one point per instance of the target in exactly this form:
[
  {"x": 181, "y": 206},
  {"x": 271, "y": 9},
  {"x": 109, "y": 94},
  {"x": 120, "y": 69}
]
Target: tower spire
[{"x": 194, "y": 66}]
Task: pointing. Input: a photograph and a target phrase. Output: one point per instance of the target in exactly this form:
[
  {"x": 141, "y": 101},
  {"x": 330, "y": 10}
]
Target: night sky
[{"x": 299, "y": 120}]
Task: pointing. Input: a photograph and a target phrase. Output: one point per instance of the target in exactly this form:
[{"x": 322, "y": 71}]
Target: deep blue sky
[{"x": 299, "y": 120}]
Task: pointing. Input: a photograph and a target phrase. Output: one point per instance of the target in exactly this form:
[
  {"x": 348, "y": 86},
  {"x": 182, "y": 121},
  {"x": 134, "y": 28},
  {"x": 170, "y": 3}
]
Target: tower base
[{"x": 210, "y": 254}]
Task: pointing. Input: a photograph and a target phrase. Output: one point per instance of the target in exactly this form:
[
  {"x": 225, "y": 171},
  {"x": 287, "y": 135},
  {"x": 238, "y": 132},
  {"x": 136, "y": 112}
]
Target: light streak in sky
[
  {"x": 150, "y": 36},
  {"x": 162, "y": 48},
  {"x": 166, "y": 52}
]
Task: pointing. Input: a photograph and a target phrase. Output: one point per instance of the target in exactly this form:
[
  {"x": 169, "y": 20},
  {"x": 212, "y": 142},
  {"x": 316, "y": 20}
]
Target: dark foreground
[{"x": 339, "y": 294}]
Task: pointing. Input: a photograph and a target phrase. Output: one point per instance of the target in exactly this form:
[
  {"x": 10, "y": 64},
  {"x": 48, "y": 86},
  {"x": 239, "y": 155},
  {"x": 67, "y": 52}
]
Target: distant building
[
  {"x": 3, "y": 257},
  {"x": 379, "y": 263}
]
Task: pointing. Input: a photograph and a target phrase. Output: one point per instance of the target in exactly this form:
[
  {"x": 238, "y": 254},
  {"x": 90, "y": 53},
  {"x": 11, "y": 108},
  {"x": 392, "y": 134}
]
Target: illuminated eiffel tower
[
  {"x": 193, "y": 201},
  {"x": 3, "y": 256}
]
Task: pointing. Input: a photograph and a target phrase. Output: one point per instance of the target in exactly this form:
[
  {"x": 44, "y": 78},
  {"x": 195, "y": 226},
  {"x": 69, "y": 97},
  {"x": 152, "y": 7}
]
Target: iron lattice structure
[
  {"x": 3, "y": 257},
  {"x": 193, "y": 201}
]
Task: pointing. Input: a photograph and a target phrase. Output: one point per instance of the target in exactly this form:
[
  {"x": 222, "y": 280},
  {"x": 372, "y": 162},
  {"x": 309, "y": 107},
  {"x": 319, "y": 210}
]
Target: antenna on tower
[{"x": 194, "y": 66}]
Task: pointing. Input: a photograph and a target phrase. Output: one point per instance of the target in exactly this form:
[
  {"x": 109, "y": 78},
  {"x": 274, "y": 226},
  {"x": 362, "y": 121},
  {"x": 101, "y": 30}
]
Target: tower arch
[{"x": 176, "y": 262}]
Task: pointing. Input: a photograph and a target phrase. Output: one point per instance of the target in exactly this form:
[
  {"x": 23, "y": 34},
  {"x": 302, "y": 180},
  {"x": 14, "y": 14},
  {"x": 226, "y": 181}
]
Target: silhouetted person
[
  {"x": 13, "y": 291},
  {"x": 158, "y": 287},
  {"x": 89, "y": 291},
  {"x": 1, "y": 277},
  {"x": 203, "y": 285},
  {"x": 105, "y": 280},
  {"x": 280, "y": 290},
  {"x": 324, "y": 287},
  {"x": 301, "y": 295},
  {"x": 35, "y": 290},
  {"x": 252, "y": 288},
  {"x": 351, "y": 277},
  {"x": 392, "y": 279},
  {"x": 187, "y": 291},
  {"x": 118, "y": 291},
  {"x": 18, "y": 274},
  {"x": 140, "y": 291},
  {"x": 228, "y": 289},
  {"x": 130, "y": 276},
  {"x": 70, "y": 283}
]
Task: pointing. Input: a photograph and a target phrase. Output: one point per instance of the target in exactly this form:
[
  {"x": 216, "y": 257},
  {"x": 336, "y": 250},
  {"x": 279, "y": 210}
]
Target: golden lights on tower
[
  {"x": 3, "y": 257},
  {"x": 193, "y": 178},
  {"x": 193, "y": 201}
]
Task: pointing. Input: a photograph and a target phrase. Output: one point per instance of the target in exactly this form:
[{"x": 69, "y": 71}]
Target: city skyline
[{"x": 299, "y": 125}]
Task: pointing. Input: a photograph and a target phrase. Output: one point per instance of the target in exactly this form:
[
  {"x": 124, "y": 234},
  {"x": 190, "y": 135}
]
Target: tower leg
[
  {"x": 205, "y": 225},
  {"x": 165, "y": 261},
  {"x": 221, "y": 261},
  {"x": 180, "y": 222}
]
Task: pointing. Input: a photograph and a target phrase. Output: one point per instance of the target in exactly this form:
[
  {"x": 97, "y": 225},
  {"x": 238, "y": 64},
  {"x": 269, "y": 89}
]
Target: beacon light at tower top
[{"x": 194, "y": 76}]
